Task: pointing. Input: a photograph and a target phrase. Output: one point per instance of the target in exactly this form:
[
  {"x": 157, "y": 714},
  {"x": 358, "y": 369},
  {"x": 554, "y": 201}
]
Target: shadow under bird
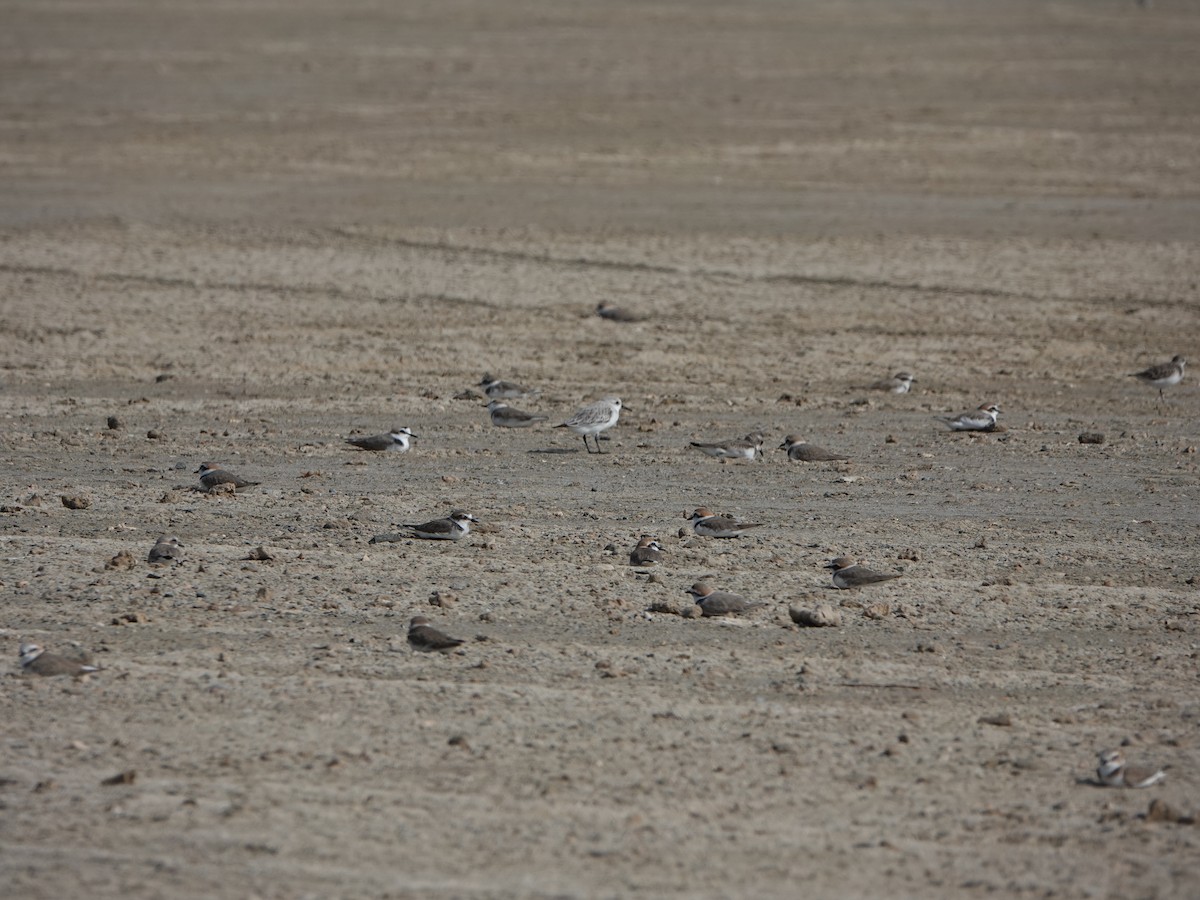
[
  {"x": 1163, "y": 375},
  {"x": 848, "y": 574},
  {"x": 747, "y": 448},
  {"x": 647, "y": 552},
  {"x": 495, "y": 389},
  {"x": 455, "y": 527},
  {"x": 397, "y": 440},
  {"x": 423, "y": 636},
  {"x": 981, "y": 419},
  {"x": 706, "y": 524},
  {"x": 213, "y": 476},
  {"x": 720, "y": 603},
  {"x": 593, "y": 419},
  {"x": 802, "y": 451},
  {"x": 165, "y": 549},
  {"x": 505, "y": 416},
  {"x": 36, "y": 661}
]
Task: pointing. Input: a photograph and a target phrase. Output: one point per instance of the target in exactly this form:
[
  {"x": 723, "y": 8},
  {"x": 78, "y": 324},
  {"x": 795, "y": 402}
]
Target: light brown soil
[{"x": 255, "y": 229}]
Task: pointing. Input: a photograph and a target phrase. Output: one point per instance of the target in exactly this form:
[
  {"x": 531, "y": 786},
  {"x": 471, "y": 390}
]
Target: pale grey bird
[
  {"x": 36, "y": 661},
  {"x": 746, "y": 448},
  {"x": 398, "y": 440},
  {"x": 719, "y": 603},
  {"x": 900, "y": 383},
  {"x": 981, "y": 419},
  {"x": 423, "y": 636},
  {"x": 847, "y": 574},
  {"x": 706, "y": 524},
  {"x": 802, "y": 451},
  {"x": 1163, "y": 375},
  {"x": 1114, "y": 772},
  {"x": 165, "y": 549},
  {"x": 504, "y": 390},
  {"x": 593, "y": 419},
  {"x": 455, "y": 527},
  {"x": 213, "y": 476},
  {"x": 647, "y": 552},
  {"x": 505, "y": 416},
  {"x": 615, "y": 313}
]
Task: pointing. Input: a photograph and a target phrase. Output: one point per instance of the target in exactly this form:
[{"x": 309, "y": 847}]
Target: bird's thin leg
[{"x": 586, "y": 445}]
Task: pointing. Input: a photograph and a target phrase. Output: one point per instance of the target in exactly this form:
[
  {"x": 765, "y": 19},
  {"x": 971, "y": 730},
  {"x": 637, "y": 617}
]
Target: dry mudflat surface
[{"x": 248, "y": 231}]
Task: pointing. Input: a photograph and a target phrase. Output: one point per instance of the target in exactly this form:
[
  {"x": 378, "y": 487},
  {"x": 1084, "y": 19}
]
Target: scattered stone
[
  {"x": 77, "y": 502},
  {"x": 264, "y": 595},
  {"x": 389, "y": 538},
  {"x": 878, "y": 610},
  {"x": 131, "y": 618},
  {"x": 123, "y": 560},
  {"x": 1091, "y": 437},
  {"x": 114, "y": 423},
  {"x": 666, "y": 607},
  {"x": 126, "y": 777},
  {"x": 1001, "y": 720},
  {"x": 821, "y": 616},
  {"x": 691, "y": 611},
  {"x": 1161, "y": 811},
  {"x": 260, "y": 554},
  {"x": 154, "y": 435}
]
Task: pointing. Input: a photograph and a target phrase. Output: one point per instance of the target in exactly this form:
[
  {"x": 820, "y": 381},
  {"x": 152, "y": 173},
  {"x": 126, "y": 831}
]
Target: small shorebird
[
  {"x": 593, "y": 419},
  {"x": 1163, "y": 375},
  {"x": 423, "y": 636},
  {"x": 706, "y": 524},
  {"x": 37, "y": 661},
  {"x": 397, "y": 440},
  {"x": 165, "y": 549},
  {"x": 647, "y": 552},
  {"x": 747, "y": 448},
  {"x": 799, "y": 449},
  {"x": 504, "y": 390},
  {"x": 981, "y": 419},
  {"x": 1114, "y": 772},
  {"x": 505, "y": 416},
  {"x": 719, "y": 603},
  {"x": 455, "y": 527},
  {"x": 615, "y": 313},
  {"x": 213, "y": 476},
  {"x": 900, "y": 383},
  {"x": 846, "y": 574}
]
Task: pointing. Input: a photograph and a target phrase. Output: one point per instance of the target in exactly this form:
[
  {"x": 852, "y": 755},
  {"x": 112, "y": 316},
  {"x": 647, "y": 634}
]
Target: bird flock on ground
[{"x": 592, "y": 420}]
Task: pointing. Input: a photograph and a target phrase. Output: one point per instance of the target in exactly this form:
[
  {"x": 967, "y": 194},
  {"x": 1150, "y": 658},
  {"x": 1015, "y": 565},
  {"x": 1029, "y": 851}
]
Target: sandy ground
[{"x": 248, "y": 231}]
